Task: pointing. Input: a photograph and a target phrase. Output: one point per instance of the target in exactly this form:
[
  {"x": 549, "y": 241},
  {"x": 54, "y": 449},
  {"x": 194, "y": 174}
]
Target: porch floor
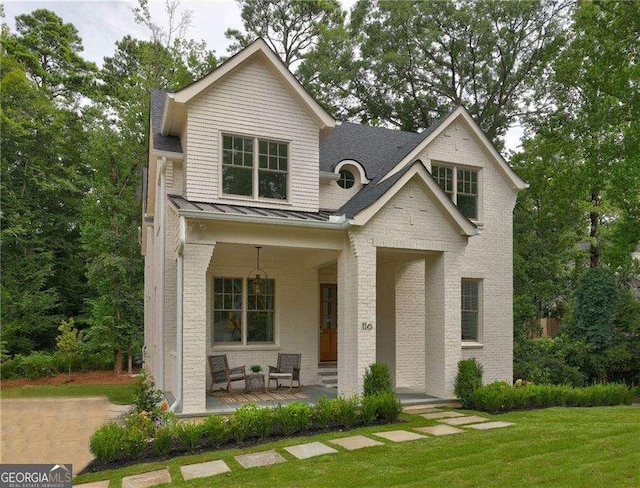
[{"x": 225, "y": 403}]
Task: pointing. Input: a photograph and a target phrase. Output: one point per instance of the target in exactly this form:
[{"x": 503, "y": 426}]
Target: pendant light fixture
[{"x": 258, "y": 277}]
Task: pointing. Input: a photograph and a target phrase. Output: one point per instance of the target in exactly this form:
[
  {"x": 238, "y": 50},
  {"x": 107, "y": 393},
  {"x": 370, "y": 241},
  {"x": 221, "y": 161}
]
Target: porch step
[{"x": 328, "y": 376}]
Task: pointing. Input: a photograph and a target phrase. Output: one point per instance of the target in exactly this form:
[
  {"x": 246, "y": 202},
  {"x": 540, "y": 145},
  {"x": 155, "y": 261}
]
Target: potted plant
[{"x": 256, "y": 368}]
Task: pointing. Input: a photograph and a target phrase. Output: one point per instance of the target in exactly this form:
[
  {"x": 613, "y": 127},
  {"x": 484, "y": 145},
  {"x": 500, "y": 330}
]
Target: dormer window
[
  {"x": 347, "y": 180},
  {"x": 255, "y": 174},
  {"x": 461, "y": 186}
]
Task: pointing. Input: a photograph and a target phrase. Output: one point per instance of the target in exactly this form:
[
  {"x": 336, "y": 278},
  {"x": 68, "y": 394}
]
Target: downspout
[
  {"x": 179, "y": 283},
  {"x": 163, "y": 184}
]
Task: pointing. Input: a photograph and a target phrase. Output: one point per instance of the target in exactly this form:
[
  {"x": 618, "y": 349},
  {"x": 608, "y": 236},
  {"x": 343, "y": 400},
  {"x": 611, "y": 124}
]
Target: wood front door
[{"x": 328, "y": 322}]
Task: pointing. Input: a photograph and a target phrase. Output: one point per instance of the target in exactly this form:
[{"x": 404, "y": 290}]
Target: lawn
[
  {"x": 555, "y": 447},
  {"x": 116, "y": 393}
]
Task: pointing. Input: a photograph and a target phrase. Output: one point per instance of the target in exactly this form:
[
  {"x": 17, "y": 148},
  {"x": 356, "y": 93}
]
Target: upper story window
[
  {"x": 461, "y": 186},
  {"x": 256, "y": 174},
  {"x": 347, "y": 180}
]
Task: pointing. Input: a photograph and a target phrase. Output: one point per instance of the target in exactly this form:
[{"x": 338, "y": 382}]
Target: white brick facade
[{"x": 398, "y": 275}]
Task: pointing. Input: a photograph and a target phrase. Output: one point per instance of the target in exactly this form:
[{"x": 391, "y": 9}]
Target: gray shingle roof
[{"x": 160, "y": 142}]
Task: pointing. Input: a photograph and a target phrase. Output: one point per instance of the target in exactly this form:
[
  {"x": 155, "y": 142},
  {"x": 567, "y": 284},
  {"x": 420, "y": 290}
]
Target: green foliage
[
  {"x": 468, "y": 379},
  {"x": 215, "y": 430},
  {"x": 147, "y": 398},
  {"x": 384, "y": 407},
  {"x": 33, "y": 366},
  {"x": 241, "y": 421},
  {"x": 188, "y": 434},
  {"x": 596, "y": 303},
  {"x": 256, "y": 368},
  {"x": 502, "y": 397},
  {"x": 292, "y": 418},
  {"x": 163, "y": 440},
  {"x": 322, "y": 412},
  {"x": 262, "y": 424},
  {"x": 558, "y": 360},
  {"x": 106, "y": 444},
  {"x": 377, "y": 379},
  {"x": 345, "y": 410},
  {"x": 70, "y": 342}
]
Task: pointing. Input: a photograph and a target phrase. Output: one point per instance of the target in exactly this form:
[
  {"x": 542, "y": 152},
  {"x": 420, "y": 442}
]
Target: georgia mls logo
[{"x": 36, "y": 475}]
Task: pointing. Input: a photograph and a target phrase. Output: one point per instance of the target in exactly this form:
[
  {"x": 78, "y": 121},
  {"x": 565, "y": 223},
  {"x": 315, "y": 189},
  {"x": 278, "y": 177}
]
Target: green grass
[
  {"x": 119, "y": 393},
  {"x": 555, "y": 447}
]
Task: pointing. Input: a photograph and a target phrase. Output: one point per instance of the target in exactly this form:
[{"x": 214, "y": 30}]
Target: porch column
[
  {"x": 442, "y": 324},
  {"x": 356, "y": 311},
  {"x": 194, "y": 326}
]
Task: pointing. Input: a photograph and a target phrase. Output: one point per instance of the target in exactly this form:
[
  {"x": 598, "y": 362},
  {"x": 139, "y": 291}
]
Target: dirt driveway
[{"x": 52, "y": 430}]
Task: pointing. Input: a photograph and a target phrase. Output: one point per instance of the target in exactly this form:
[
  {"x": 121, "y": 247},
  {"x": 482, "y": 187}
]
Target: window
[
  {"x": 461, "y": 186},
  {"x": 347, "y": 180},
  {"x": 470, "y": 308},
  {"x": 240, "y": 314},
  {"x": 261, "y": 174}
]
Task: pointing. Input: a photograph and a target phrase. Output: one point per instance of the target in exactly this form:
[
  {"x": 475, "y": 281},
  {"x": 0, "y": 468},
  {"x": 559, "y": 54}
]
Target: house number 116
[{"x": 366, "y": 326}]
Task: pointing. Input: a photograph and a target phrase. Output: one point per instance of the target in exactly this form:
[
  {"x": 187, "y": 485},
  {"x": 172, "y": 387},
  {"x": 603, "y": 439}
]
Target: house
[{"x": 377, "y": 244}]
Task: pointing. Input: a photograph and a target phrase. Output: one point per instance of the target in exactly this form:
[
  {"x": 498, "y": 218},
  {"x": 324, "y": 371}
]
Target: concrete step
[{"x": 328, "y": 371}]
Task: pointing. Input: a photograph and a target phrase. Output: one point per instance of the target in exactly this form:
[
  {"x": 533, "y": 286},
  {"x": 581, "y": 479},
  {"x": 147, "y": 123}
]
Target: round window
[{"x": 347, "y": 180}]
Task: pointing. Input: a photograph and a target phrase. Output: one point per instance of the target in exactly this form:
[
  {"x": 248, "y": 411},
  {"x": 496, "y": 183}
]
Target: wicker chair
[
  {"x": 288, "y": 368},
  {"x": 221, "y": 373}
]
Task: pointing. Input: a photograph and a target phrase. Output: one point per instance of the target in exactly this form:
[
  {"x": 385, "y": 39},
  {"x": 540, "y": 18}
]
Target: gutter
[
  {"x": 163, "y": 204},
  {"x": 182, "y": 226},
  {"x": 335, "y": 222}
]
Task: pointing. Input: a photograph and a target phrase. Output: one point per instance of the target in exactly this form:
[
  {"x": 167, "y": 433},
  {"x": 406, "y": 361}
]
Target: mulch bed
[{"x": 75, "y": 378}]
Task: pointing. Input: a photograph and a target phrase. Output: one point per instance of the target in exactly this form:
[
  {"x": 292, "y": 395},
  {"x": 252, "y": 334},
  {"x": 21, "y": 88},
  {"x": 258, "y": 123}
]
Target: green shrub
[
  {"x": 35, "y": 365},
  {"x": 163, "y": 440},
  {"x": 384, "y": 407},
  {"x": 292, "y": 418},
  {"x": 377, "y": 380},
  {"x": 469, "y": 379},
  {"x": 262, "y": 422},
  {"x": 346, "y": 410},
  {"x": 502, "y": 397},
  {"x": 241, "y": 421},
  {"x": 106, "y": 444},
  {"x": 147, "y": 398},
  {"x": 215, "y": 430},
  {"x": 322, "y": 412},
  {"x": 188, "y": 434}
]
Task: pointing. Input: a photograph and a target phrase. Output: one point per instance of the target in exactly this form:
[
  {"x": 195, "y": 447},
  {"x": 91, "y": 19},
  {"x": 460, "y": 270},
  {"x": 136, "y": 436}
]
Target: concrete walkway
[{"x": 52, "y": 430}]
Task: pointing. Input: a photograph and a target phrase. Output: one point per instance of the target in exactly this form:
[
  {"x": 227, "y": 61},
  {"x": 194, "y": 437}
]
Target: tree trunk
[
  {"x": 594, "y": 218},
  {"x": 130, "y": 358},
  {"x": 117, "y": 367}
]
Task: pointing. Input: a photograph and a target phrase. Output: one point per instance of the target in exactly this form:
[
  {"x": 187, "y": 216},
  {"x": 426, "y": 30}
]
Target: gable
[
  {"x": 373, "y": 198},
  {"x": 258, "y": 50},
  {"x": 413, "y": 214},
  {"x": 461, "y": 117}
]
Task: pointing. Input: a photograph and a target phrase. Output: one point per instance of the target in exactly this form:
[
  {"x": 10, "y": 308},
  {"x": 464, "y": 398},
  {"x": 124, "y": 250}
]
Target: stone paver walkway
[
  {"x": 471, "y": 419},
  {"x": 149, "y": 478},
  {"x": 312, "y": 449},
  {"x": 52, "y": 430},
  {"x": 441, "y": 415},
  {"x": 356, "y": 442},
  {"x": 447, "y": 420},
  {"x": 490, "y": 425},
  {"x": 256, "y": 459},
  {"x": 399, "y": 435},
  {"x": 439, "y": 430},
  {"x": 202, "y": 470}
]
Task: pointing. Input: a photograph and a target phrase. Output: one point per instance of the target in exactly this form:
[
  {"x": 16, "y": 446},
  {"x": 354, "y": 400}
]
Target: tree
[
  {"x": 43, "y": 179},
  {"x": 594, "y": 127},
  {"x": 70, "y": 342},
  {"x": 413, "y": 61},
  {"x": 49, "y": 50},
  {"x": 290, "y": 27}
]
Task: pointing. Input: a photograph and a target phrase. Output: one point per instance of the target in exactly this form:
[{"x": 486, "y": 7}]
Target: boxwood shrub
[{"x": 502, "y": 397}]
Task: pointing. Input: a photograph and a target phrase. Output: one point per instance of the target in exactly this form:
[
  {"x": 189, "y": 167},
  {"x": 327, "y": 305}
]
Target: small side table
[{"x": 254, "y": 382}]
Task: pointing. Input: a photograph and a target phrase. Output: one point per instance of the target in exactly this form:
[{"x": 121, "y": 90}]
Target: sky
[{"x": 102, "y": 23}]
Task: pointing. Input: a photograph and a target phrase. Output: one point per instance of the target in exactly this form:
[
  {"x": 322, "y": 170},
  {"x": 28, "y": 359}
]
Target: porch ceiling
[{"x": 246, "y": 254}]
